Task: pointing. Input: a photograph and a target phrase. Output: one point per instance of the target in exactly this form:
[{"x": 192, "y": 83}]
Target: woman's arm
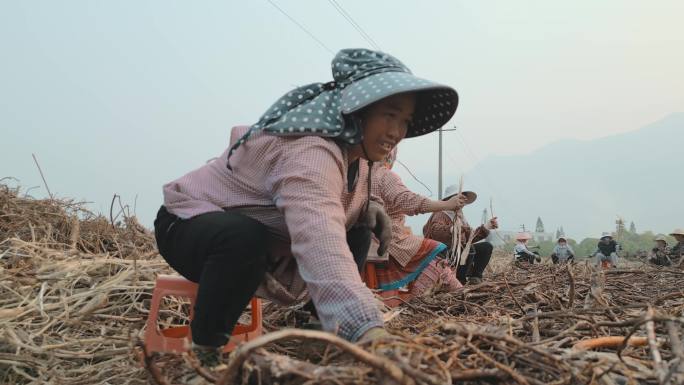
[
  {"x": 399, "y": 199},
  {"x": 306, "y": 185}
]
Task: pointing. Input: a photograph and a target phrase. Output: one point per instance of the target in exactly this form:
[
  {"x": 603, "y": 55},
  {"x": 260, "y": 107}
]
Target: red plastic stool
[
  {"x": 370, "y": 277},
  {"x": 178, "y": 339},
  {"x": 391, "y": 298}
]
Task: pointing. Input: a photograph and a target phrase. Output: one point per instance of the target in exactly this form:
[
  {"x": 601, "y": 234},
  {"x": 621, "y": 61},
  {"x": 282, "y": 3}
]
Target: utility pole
[{"x": 439, "y": 167}]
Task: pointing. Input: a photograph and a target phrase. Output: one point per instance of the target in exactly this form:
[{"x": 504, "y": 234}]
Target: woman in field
[
  {"x": 299, "y": 176},
  {"x": 440, "y": 227},
  {"x": 521, "y": 253},
  {"x": 414, "y": 263}
]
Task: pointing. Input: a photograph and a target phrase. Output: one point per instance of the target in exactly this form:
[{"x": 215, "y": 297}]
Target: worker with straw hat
[
  {"x": 521, "y": 254},
  {"x": 660, "y": 253},
  {"x": 300, "y": 175},
  {"x": 440, "y": 227},
  {"x": 607, "y": 251},
  {"x": 677, "y": 250}
]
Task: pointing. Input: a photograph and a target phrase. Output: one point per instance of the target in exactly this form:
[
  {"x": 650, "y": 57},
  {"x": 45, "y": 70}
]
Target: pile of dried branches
[
  {"x": 75, "y": 290},
  {"x": 66, "y": 224},
  {"x": 528, "y": 325}
]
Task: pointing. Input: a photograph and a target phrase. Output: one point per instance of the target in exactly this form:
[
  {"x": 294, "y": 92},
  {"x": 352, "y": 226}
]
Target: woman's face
[
  {"x": 679, "y": 238},
  {"x": 385, "y": 124}
]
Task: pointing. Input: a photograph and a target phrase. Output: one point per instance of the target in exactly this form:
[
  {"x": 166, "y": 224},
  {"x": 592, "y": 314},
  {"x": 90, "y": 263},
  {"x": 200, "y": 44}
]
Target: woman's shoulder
[
  {"x": 312, "y": 143},
  {"x": 293, "y": 146}
]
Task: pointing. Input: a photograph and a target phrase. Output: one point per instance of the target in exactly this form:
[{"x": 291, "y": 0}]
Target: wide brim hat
[
  {"x": 361, "y": 77},
  {"x": 677, "y": 232},
  {"x": 606, "y": 235},
  {"x": 452, "y": 190},
  {"x": 523, "y": 237},
  {"x": 660, "y": 238},
  {"x": 563, "y": 238},
  {"x": 435, "y": 103}
]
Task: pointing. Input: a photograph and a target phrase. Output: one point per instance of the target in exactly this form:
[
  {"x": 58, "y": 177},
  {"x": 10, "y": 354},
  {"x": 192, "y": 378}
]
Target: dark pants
[
  {"x": 477, "y": 261},
  {"x": 528, "y": 258},
  {"x": 554, "y": 258},
  {"x": 226, "y": 253}
]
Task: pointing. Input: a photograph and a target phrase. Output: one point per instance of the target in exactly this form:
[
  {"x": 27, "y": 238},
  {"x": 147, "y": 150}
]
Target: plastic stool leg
[
  {"x": 371, "y": 276},
  {"x": 176, "y": 339},
  {"x": 244, "y": 333},
  {"x": 179, "y": 339}
]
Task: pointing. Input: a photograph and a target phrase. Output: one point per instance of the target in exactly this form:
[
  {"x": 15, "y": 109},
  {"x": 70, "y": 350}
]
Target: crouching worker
[
  {"x": 299, "y": 175},
  {"x": 607, "y": 251},
  {"x": 677, "y": 250},
  {"x": 562, "y": 252},
  {"x": 440, "y": 227},
  {"x": 660, "y": 253},
  {"x": 414, "y": 262},
  {"x": 521, "y": 253}
]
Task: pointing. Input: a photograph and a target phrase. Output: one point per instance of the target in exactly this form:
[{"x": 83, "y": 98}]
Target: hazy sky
[{"x": 123, "y": 96}]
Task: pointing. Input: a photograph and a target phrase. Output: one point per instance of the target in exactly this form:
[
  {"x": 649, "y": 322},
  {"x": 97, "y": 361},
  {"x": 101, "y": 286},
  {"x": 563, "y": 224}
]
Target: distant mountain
[{"x": 585, "y": 185}]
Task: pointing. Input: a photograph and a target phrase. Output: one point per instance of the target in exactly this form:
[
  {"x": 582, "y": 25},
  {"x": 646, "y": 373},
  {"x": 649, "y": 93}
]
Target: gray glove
[{"x": 381, "y": 225}]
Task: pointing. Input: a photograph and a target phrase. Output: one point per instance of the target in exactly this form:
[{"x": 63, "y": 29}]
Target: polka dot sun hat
[{"x": 361, "y": 77}]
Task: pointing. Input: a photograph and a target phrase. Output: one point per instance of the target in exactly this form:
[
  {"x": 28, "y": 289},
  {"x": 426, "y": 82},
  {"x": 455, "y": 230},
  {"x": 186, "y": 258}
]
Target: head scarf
[{"x": 361, "y": 77}]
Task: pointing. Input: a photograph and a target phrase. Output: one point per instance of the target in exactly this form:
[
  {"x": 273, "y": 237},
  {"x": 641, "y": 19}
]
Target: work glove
[
  {"x": 374, "y": 334},
  {"x": 380, "y": 223}
]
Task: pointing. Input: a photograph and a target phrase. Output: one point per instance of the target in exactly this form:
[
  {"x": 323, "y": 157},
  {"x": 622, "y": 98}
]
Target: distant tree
[
  {"x": 540, "y": 225},
  {"x": 562, "y": 232},
  {"x": 632, "y": 227},
  {"x": 558, "y": 233},
  {"x": 586, "y": 247}
]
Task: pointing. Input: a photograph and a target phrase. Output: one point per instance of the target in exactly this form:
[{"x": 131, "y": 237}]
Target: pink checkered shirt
[
  {"x": 399, "y": 201},
  {"x": 296, "y": 186}
]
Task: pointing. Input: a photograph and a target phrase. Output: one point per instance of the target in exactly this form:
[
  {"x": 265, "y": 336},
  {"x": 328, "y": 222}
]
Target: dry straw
[{"x": 72, "y": 308}]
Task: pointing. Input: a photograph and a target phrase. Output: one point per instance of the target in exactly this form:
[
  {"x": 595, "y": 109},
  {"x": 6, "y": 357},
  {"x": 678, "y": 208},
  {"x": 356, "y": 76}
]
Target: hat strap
[
  {"x": 237, "y": 144},
  {"x": 370, "y": 170}
]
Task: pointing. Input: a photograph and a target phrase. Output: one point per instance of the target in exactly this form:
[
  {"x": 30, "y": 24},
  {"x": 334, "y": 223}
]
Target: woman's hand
[
  {"x": 456, "y": 202},
  {"x": 381, "y": 225},
  {"x": 494, "y": 223}
]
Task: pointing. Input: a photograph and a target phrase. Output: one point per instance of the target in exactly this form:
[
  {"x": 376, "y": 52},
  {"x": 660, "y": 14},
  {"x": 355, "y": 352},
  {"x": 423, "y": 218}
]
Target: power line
[
  {"x": 302, "y": 27},
  {"x": 415, "y": 177},
  {"x": 372, "y": 42},
  {"x": 354, "y": 24},
  {"x": 363, "y": 34}
]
